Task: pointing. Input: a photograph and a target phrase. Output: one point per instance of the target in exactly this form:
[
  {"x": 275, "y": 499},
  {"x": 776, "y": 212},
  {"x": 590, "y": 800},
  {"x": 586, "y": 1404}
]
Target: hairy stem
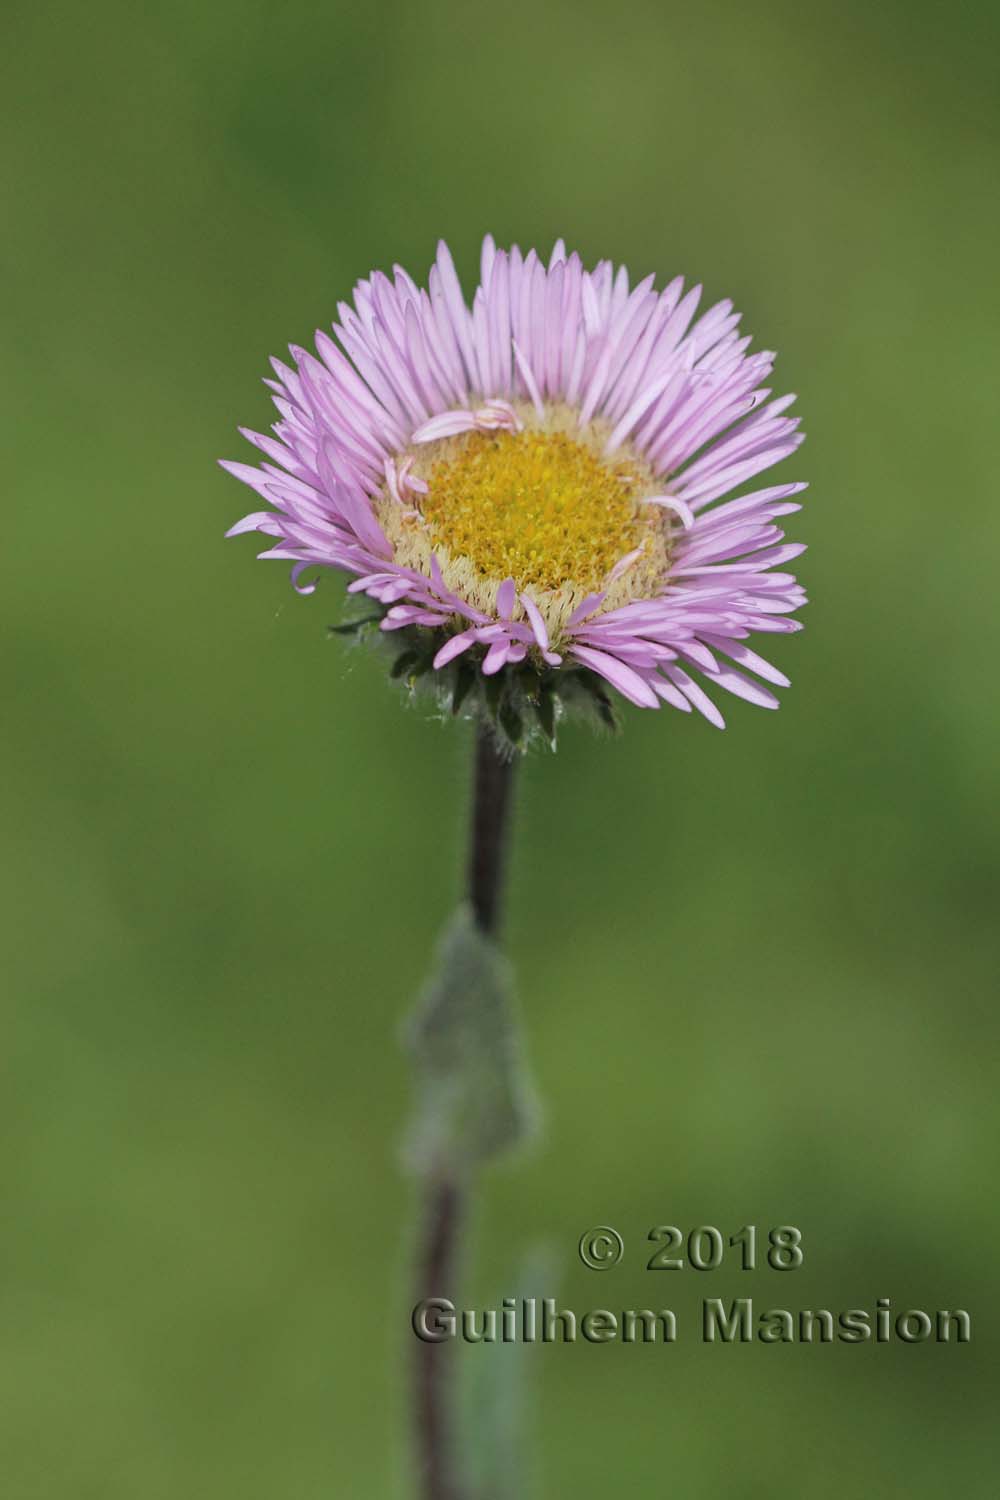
[{"x": 443, "y": 1211}]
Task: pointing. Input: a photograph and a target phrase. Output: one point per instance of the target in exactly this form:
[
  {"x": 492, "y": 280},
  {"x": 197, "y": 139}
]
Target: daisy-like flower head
[{"x": 533, "y": 490}]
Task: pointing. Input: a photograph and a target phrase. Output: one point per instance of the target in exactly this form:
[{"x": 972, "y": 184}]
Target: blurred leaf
[
  {"x": 353, "y": 627},
  {"x": 512, "y": 724},
  {"x": 473, "y": 1095},
  {"x": 403, "y": 663},
  {"x": 545, "y": 708},
  {"x": 465, "y": 679}
]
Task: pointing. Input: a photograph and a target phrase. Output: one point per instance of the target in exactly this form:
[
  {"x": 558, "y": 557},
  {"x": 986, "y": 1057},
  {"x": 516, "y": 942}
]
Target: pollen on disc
[{"x": 538, "y": 507}]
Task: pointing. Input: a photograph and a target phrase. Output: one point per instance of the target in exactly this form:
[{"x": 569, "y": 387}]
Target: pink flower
[{"x": 538, "y": 484}]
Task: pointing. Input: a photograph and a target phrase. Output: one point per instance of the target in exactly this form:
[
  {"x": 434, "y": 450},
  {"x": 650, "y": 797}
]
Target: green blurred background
[{"x": 757, "y": 969}]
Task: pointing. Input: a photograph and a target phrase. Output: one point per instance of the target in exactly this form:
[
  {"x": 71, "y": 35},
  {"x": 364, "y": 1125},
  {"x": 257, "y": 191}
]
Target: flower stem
[
  {"x": 492, "y": 796},
  {"x": 443, "y": 1211},
  {"x": 443, "y": 1214}
]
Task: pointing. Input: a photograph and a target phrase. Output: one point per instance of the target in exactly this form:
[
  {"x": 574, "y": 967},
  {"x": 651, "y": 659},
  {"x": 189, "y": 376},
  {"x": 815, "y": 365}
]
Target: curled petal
[
  {"x": 671, "y": 502},
  {"x": 402, "y": 483},
  {"x": 301, "y": 588},
  {"x": 495, "y": 415},
  {"x": 490, "y": 417},
  {"x": 261, "y": 520},
  {"x": 449, "y": 424},
  {"x": 624, "y": 563}
]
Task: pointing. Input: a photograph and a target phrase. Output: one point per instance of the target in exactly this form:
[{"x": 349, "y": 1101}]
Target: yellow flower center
[
  {"x": 536, "y": 506},
  {"x": 543, "y": 506}
]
